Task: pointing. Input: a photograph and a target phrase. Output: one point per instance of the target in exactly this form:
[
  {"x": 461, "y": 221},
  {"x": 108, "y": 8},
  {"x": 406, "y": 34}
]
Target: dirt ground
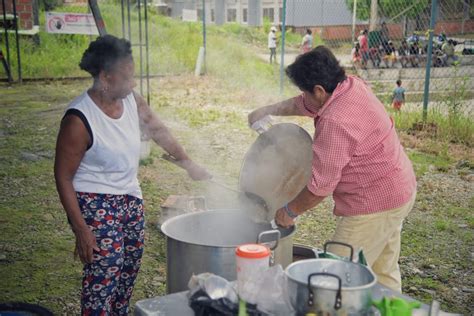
[{"x": 209, "y": 117}]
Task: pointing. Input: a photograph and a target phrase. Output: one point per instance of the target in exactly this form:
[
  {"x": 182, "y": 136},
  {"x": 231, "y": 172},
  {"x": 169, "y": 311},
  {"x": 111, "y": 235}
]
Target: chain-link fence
[
  {"x": 381, "y": 41},
  {"x": 394, "y": 46}
]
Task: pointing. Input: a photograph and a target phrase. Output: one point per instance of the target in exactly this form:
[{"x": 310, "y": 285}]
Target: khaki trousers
[{"x": 379, "y": 237}]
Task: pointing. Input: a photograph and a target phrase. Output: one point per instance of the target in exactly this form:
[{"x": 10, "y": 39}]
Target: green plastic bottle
[{"x": 242, "y": 308}]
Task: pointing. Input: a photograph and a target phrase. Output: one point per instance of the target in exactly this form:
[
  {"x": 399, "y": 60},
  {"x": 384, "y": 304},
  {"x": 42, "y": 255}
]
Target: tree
[{"x": 389, "y": 8}]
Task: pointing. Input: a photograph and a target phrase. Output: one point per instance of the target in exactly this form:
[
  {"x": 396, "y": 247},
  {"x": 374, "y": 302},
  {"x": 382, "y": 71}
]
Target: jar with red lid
[{"x": 251, "y": 261}]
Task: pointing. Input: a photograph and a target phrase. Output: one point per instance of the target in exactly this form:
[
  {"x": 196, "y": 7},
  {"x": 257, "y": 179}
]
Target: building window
[
  {"x": 231, "y": 15},
  {"x": 213, "y": 17},
  {"x": 244, "y": 15},
  {"x": 281, "y": 15},
  {"x": 269, "y": 13}
]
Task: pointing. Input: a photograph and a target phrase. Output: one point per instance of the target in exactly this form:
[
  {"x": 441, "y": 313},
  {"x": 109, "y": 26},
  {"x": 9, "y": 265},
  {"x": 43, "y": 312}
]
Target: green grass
[
  {"x": 173, "y": 49},
  {"x": 422, "y": 162},
  {"x": 448, "y": 127},
  {"x": 436, "y": 232},
  {"x": 37, "y": 241},
  {"x": 200, "y": 117},
  {"x": 174, "y": 45},
  {"x": 32, "y": 224}
]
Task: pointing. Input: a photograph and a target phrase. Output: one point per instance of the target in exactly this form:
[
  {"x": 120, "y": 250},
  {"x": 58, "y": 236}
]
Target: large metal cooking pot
[
  {"x": 331, "y": 287},
  {"x": 206, "y": 241}
]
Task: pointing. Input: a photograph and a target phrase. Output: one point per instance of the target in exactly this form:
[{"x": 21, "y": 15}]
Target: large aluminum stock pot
[
  {"x": 330, "y": 287},
  {"x": 206, "y": 241}
]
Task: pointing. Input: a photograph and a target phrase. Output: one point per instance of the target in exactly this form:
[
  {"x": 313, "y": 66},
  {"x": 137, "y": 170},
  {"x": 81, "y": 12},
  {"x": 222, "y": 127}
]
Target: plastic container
[{"x": 251, "y": 261}]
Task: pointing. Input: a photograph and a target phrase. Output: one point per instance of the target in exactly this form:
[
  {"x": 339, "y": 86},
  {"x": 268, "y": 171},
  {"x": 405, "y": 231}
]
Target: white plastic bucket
[{"x": 251, "y": 261}]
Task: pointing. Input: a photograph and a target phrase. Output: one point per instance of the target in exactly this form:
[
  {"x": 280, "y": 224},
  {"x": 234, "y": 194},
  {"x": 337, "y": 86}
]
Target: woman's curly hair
[{"x": 103, "y": 54}]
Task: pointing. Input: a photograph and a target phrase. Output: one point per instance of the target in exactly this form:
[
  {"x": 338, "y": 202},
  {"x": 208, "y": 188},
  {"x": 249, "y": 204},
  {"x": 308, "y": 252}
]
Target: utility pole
[
  {"x": 373, "y": 15},
  {"x": 426, "y": 94},
  {"x": 354, "y": 18},
  {"x": 283, "y": 35}
]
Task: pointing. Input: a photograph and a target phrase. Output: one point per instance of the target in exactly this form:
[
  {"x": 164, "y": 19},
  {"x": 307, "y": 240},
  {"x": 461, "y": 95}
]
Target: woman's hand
[
  {"x": 282, "y": 219},
  {"x": 85, "y": 245},
  {"x": 195, "y": 171},
  {"x": 283, "y": 108},
  {"x": 256, "y": 115}
]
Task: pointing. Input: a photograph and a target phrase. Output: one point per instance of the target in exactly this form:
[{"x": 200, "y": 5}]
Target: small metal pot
[{"x": 332, "y": 287}]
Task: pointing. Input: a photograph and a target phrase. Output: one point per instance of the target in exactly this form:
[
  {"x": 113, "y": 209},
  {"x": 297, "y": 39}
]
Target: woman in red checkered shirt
[{"x": 357, "y": 158}]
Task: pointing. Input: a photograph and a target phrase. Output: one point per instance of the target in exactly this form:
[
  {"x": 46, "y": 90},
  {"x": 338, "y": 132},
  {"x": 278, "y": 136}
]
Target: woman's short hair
[
  {"x": 316, "y": 67},
  {"x": 103, "y": 54}
]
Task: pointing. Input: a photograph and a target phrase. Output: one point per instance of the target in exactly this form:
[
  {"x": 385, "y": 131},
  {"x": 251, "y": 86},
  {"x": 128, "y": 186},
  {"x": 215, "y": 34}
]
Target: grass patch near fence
[
  {"x": 442, "y": 124},
  {"x": 173, "y": 44}
]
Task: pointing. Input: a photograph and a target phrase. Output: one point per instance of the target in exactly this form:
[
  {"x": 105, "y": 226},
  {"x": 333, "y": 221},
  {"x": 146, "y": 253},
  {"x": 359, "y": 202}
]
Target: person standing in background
[
  {"x": 404, "y": 54},
  {"x": 448, "y": 57},
  {"x": 398, "y": 96},
  {"x": 364, "y": 47},
  {"x": 415, "y": 54},
  {"x": 307, "y": 42},
  {"x": 272, "y": 44},
  {"x": 356, "y": 55}
]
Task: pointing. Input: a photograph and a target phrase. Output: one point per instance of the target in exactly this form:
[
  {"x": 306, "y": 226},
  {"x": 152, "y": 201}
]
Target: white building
[{"x": 299, "y": 13}]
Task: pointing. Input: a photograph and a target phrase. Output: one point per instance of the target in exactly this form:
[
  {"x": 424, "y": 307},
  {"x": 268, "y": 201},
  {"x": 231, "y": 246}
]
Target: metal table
[{"x": 177, "y": 303}]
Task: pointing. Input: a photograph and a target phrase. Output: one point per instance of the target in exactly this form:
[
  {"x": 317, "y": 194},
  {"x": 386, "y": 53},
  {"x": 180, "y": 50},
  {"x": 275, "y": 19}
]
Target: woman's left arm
[{"x": 157, "y": 130}]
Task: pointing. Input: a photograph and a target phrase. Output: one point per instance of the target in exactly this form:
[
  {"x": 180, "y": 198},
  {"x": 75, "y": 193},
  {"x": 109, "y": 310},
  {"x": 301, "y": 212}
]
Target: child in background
[
  {"x": 307, "y": 42},
  {"x": 398, "y": 97},
  {"x": 356, "y": 55}
]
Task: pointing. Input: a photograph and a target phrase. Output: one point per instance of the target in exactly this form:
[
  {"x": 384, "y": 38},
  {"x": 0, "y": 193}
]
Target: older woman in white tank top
[{"x": 97, "y": 156}]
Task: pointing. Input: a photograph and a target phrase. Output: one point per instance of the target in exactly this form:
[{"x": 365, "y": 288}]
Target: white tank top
[{"x": 110, "y": 165}]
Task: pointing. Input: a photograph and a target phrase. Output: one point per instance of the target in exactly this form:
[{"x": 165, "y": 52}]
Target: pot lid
[
  {"x": 277, "y": 166},
  {"x": 252, "y": 251}
]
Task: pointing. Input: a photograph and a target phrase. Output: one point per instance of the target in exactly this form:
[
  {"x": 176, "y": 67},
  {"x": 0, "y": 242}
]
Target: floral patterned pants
[{"x": 118, "y": 224}]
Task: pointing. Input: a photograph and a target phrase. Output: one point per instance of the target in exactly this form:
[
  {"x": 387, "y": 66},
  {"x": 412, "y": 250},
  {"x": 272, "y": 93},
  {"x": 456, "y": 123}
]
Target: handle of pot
[
  {"x": 198, "y": 202},
  {"x": 340, "y": 244},
  {"x": 269, "y": 233},
  {"x": 338, "y": 301}
]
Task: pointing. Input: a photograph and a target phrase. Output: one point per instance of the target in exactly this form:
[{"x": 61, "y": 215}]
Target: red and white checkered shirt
[{"x": 357, "y": 155}]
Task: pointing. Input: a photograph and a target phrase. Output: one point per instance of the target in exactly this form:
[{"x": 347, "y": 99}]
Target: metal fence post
[
  {"x": 17, "y": 38},
  {"x": 283, "y": 35},
  {"x": 354, "y": 19},
  {"x": 426, "y": 95},
  {"x": 99, "y": 22},
  {"x": 204, "y": 33},
  {"x": 374, "y": 8},
  {"x": 5, "y": 29},
  {"x": 147, "y": 55}
]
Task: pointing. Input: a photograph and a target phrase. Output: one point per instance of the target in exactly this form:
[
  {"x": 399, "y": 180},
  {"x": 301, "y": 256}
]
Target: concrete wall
[
  {"x": 220, "y": 12},
  {"x": 301, "y": 13},
  {"x": 255, "y": 13}
]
